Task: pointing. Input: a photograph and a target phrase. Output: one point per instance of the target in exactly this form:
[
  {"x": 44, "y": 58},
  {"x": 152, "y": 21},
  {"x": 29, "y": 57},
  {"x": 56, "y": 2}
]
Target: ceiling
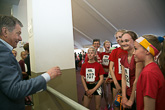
[{"x": 102, "y": 18}]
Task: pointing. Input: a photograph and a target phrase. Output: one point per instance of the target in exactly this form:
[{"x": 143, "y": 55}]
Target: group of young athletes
[{"x": 135, "y": 70}]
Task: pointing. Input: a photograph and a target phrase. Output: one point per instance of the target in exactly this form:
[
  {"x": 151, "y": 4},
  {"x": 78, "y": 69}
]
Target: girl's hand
[
  {"x": 129, "y": 104},
  {"x": 106, "y": 80},
  {"x": 123, "y": 101},
  {"x": 109, "y": 81},
  {"x": 90, "y": 92},
  {"x": 118, "y": 87}
]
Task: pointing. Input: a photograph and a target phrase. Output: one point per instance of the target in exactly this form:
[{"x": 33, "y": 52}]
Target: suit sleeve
[{"x": 11, "y": 83}]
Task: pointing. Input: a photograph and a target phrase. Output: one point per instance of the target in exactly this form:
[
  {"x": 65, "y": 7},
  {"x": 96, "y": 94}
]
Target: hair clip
[{"x": 160, "y": 39}]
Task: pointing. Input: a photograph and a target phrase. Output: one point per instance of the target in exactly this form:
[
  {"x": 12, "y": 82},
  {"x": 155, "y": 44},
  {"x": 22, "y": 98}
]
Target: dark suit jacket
[{"x": 12, "y": 88}]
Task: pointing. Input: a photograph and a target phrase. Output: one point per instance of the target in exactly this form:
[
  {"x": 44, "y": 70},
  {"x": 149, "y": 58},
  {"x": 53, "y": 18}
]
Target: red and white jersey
[
  {"x": 91, "y": 71},
  {"x": 115, "y": 56},
  {"x": 105, "y": 59}
]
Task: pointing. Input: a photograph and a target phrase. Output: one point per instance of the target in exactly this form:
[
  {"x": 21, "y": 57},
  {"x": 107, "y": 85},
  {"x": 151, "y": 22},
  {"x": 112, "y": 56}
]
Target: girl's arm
[
  {"x": 139, "y": 67},
  {"x": 149, "y": 103},
  {"x": 84, "y": 83},
  {"x": 124, "y": 98},
  {"x": 113, "y": 76},
  {"x": 99, "y": 83},
  {"x": 24, "y": 72},
  {"x": 91, "y": 91}
]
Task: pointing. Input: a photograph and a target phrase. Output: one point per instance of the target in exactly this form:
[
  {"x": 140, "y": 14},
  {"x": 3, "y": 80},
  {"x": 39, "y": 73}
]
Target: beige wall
[{"x": 65, "y": 84}]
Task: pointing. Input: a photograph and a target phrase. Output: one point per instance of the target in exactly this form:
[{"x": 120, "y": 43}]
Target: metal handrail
[{"x": 67, "y": 100}]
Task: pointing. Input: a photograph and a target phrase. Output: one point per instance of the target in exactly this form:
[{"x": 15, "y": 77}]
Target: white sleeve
[{"x": 46, "y": 76}]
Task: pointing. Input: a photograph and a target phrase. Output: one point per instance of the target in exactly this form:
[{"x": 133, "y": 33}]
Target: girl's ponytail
[{"x": 161, "y": 58}]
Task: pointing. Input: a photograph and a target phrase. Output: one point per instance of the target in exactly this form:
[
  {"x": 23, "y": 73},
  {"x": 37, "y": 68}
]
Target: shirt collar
[{"x": 8, "y": 45}]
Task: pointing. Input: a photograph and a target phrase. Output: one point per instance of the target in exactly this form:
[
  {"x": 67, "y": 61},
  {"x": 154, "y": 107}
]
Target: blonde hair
[
  {"x": 22, "y": 53},
  {"x": 14, "y": 52},
  {"x": 93, "y": 49},
  {"x": 122, "y": 31},
  {"x": 161, "y": 48},
  {"x": 106, "y": 41}
]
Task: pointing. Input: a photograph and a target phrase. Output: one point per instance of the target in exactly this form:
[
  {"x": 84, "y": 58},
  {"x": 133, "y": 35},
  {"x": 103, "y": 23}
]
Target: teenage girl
[
  {"x": 23, "y": 65},
  {"x": 130, "y": 70},
  {"x": 150, "y": 93},
  {"x": 92, "y": 78},
  {"x": 96, "y": 45},
  {"x": 115, "y": 65},
  {"x": 105, "y": 63}
]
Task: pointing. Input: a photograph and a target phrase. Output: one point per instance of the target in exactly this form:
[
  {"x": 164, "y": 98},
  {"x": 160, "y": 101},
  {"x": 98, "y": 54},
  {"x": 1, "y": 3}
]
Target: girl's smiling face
[
  {"x": 127, "y": 42},
  {"x": 91, "y": 54},
  {"x": 139, "y": 52}
]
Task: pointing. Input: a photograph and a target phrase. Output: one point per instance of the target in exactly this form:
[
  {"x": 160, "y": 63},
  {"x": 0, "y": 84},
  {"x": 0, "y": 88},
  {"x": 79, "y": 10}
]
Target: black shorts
[
  {"x": 97, "y": 92},
  {"x": 113, "y": 85},
  {"x": 105, "y": 76}
]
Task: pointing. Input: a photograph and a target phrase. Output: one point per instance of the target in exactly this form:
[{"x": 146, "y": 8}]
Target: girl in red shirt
[
  {"x": 150, "y": 92},
  {"x": 105, "y": 64},
  {"x": 115, "y": 65},
  {"x": 130, "y": 70},
  {"x": 92, "y": 78},
  {"x": 23, "y": 65}
]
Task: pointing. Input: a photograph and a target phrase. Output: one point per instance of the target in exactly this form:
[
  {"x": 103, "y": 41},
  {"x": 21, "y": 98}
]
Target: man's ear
[{"x": 4, "y": 31}]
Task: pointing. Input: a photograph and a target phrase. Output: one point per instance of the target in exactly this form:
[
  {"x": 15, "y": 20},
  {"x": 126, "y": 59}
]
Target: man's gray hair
[{"x": 9, "y": 22}]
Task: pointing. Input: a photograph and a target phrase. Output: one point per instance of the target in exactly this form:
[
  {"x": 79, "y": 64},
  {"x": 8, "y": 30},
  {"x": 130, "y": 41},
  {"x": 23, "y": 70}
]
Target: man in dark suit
[{"x": 13, "y": 89}]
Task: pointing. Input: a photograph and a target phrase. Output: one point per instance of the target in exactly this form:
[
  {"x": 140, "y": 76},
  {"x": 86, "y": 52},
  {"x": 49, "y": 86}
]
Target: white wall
[
  {"x": 20, "y": 12},
  {"x": 51, "y": 41}
]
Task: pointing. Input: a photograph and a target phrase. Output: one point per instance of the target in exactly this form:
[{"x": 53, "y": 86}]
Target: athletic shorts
[
  {"x": 105, "y": 76},
  {"x": 97, "y": 92},
  {"x": 113, "y": 85}
]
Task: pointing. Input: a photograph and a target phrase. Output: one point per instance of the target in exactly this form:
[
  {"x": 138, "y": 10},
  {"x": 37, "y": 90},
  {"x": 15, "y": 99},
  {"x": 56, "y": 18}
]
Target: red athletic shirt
[
  {"x": 131, "y": 66},
  {"x": 151, "y": 83},
  {"x": 105, "y": 59},
  {"x": 96, "y": 66},
  {"x": 115, "y": 56},
  {"x": 98, "y": 57},
  {"x": 22, "y": 65}
]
